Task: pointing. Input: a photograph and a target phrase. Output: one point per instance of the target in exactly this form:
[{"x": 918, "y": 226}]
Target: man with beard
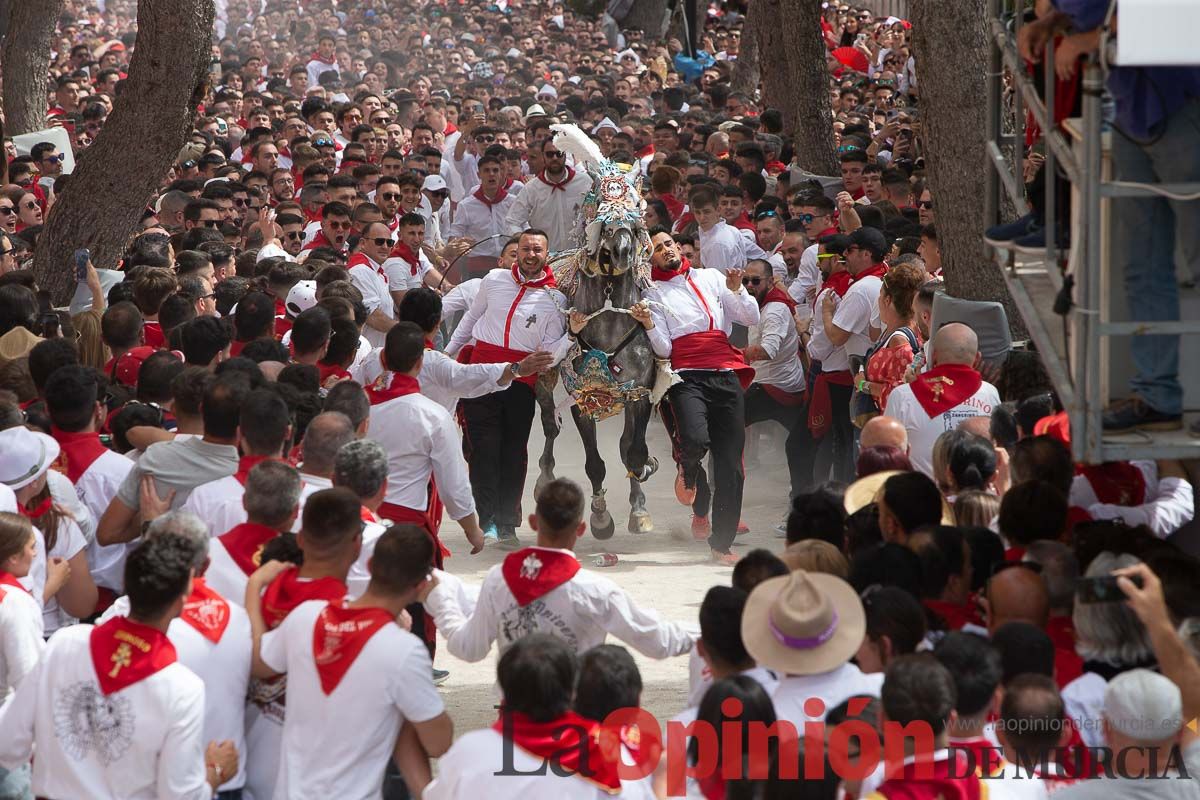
[
  {"x": 516, "y": 313},
  {"x": 707, "y": 407}
]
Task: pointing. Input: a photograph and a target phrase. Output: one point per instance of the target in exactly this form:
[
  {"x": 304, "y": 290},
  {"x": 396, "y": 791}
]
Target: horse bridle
[{"x": 626, "y": 339}]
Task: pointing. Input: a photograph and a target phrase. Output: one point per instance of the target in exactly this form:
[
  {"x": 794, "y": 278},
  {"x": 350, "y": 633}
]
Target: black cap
[{"x": 870, "y": 239}]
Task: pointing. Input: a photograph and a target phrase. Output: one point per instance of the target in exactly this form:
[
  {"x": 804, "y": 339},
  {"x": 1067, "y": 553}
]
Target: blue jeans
[{"x": 1145, "y": 231}]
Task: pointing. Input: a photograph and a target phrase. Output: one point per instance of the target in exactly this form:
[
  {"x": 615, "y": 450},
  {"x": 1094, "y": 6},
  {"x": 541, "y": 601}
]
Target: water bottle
[{"x": 604, "y": 560}]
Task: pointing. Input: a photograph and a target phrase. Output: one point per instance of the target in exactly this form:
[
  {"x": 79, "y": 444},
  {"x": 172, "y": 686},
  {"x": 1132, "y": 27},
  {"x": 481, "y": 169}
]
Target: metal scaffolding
[{"x": 1073, "y": 348}]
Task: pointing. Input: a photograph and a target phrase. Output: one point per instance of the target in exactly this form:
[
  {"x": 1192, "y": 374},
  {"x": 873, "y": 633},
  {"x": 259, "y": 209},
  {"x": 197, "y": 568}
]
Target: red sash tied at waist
[
  {"x": 488, "y": 353},
  {"x": 710, "y": 350},
  {"x": 820, "y": 410},
  {"x": 430, "y": 520}
]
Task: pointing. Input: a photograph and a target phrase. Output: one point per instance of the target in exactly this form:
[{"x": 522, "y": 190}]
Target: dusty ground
[{"x": 666, "y": 569}]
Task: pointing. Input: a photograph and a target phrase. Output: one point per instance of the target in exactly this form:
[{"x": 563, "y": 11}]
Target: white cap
[
  {"x": 513, "y": 53},
  {"x": 27, "y": 456},
  {"x": 433, "y": 183},
  {"x": 1143, "y": 705},
  {"x": 606, "y": 123},
  {"x": 547, "y": 91},
  {"x": 301, "y": 297},
  {"x": 535, "y": 110}
]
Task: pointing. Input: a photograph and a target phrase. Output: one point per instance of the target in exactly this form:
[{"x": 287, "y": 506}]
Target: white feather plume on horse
[{"x": 578, "y": 145}]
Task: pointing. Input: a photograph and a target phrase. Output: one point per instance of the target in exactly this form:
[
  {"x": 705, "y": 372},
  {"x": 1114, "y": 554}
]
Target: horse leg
[
  {"x": 640, "y": 465},
  {"x": 544, "y": 392},
  {"x": 601, "y": 521}
]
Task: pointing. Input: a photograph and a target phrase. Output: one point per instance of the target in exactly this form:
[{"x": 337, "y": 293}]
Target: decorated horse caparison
[{"x": 611, "y": 368}]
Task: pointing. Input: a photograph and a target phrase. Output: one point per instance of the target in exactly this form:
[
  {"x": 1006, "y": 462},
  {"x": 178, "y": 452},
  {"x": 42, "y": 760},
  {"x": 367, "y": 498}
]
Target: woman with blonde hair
[
  {"x": 93, "y": 352},
  {"x": 976, "y": 508},
  {"x": 887, "y": 361}
]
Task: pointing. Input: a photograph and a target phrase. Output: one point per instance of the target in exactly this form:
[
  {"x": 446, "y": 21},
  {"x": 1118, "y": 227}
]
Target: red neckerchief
[
  {"x": 391, "y": 385},
  {"x": 38, "y": 511},
  {"x": 339, "y": 635},
  {"x": 362, "y": 259},
  {"x": 77, "y": 451},
  {"x": 481, "y": 197},
  {"x": 287, "y": 591},
  {"x": 1114, "y": 482},
  {"x": 546, "y": 278},
  {"x": 831, "y": 230},
  {"x": 403, "y": 251},
  {"x": 838, "y": 281},
  {"x": 152, "y": 334},
  {"x": 367, "y": 515},
  {"x": 743, "y": 223},
  {"x": 330, "y": 374},
  {"x": 8, "y": 579},
  {"x": 561, "y": 186},
  {"x": 926, "y": 779},
  {"x": 985, "y": 755},
  {"x": 125, "y": 652},
  {"x": 563, "y": 740},
  {"x": 674, "y": 205},
  {"x": 945, "y": 386},
  {"x": 876, "y": 270},
  {"x": 206, "y": 611},
  {"x": 535, "y": 571},
  {"x": 668, "y": 274},
  {"x": 245, "y": 543},
  {"x": 955, "y": 616},
  {"x": 247, "y": 463},
  {"x": 316, "y": 56},
  {"x": 778, "y": 295}
]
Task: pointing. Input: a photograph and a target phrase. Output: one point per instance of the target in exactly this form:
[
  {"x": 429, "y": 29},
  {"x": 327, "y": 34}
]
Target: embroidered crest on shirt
[
  {"x": 86, "y": 721},
  {"x": 530, "y": 567}
]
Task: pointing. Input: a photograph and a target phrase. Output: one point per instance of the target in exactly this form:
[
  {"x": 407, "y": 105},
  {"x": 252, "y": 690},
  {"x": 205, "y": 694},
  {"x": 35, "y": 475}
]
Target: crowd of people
[{"x": 224, "y": 470}]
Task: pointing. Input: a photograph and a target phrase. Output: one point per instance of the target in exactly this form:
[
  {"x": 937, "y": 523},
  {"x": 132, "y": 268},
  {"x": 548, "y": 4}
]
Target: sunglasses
[
  {"x": 189, "y": 164},
  {"x": 751, "y": 281},
  {"x": 555, "y": 155},
  {"x": 806, "y": 219},
  {"x": 824, "y": 256},
  {"x": 295, "y": 235},
  {"x": 7, "y": 211},
  {"x": 770, "y": 212},
  {"x": 339, "y": 226},
  {"x": 485, "y": 139},
  {"x": 211, "y": 223},
  {"x": 53, "y": 159},
  {"x": 390, "y": 196},
  {"x": 381, "y": 241},
  {"x": 925, "y": 203}
]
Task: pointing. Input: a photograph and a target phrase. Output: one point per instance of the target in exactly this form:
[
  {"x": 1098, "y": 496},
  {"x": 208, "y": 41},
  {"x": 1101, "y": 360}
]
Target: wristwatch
[{"x": 516, "y": 369}]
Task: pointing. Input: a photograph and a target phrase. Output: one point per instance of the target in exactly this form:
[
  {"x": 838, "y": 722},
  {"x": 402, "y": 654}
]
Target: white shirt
[
  {"x": 923, "y": 431},
  {"x": 700, "y": 679},
  {"x": 722, "y": 247},
  {"x": 466, "y": 167},
  {"x": 778, "y": 265},
  {"x": 832, "y": 688},
  {"x": 460, "y": 297},
  {"x": 400, "y": 272},
  {"x": 445, "y": 381},
  {"x": 96, "y": 488},
  {"x": 436, "y": 222},
  {"x": 63, "y": 493},
  {"x": 833, "y": 358},
  {"x": 144, "y": 742},
  {"x": 511, "y": 315},
  {"x": 776, "y": 334},
  {"x": 337, "y": 744},
  {"x": 369, "y": 278},
  {"x": 218, "y": 504},
  {"x": 698, "y": 301},
  {"x": 855, "y": 312},
  {"x": 541, "y": 205},
  {"x": 1169, "y": 502},
  {"x": 581, "y": 612},
  {"x": 1083, "y": 701},
  {"x": 420, "y": 438},
  {"x": 224, "y": 666},
  {"x": 803, "y": 288},
  {"x": 67, "y": 544},
  {"x": 468, "y": 772},
  {"x": 476, "y": 221},
  {"x": 20, "y": 637}
]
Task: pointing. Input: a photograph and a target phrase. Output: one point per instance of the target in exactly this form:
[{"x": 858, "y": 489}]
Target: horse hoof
[
  {"x": 648, "y": 469},
  {"x": 640, "y": 522},
  {"x": 603, "y": 525}
]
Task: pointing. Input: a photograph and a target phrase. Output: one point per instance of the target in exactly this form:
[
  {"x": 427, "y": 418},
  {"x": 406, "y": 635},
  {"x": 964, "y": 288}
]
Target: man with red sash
[
  {"x": 330, "y": 538},
  {"x": 211, "y": 638},
  {"x": 942, "y": 397},
  {"x": 263, "y": 431},
  {"x": 848, "y": 320},
  {"x": 536, "y": 728},
  {"x": 271, "y": 501},
  {"x": 516, "y": 312},
  {"x": 135, "y": 726},
  {"x": 780, "y": 383},
  {"x": 707, "y": 404},
  {"x": 551, "y": 200},
  {"x": 76, "y": 411},
  {"x": 544, "y": 589},
  {"x": 918, "y": 689},
  {"x": 829, "y": 403}
]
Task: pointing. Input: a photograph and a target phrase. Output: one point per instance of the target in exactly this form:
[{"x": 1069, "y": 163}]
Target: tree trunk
[
  {"x": 648, "y": 16},
  {"x": 746, "y": 72},
  {"x": 102, "y": 203},
  {"x": 26, "y": 58},
  {"x": 796, "y": 79},
  {"x": 953, "y": 133}
]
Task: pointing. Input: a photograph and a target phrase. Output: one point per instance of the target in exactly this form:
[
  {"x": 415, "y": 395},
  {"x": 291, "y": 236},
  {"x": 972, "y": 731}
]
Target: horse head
[{"x": 618, "y": 248}]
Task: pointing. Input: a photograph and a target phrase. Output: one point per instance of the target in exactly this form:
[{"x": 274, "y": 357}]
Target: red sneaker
[
  {"x": 686, "y": 496},
  {"x": 742, "y": 528},
  {"x": 728, "y": 559},
  {"x": 701, "y": 529}
]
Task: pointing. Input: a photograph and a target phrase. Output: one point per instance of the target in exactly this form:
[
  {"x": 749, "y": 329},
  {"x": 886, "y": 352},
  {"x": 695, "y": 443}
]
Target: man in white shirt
[
  {"x": 426, "y": 471},
  {"x": 543, "y": 589},
  {"x": 211, "y": 636},
  {"x": 76, "y": 411},
  {"x": 516, "y": 313},
  {"x": 769, "y": 227},
  {"x": 849, "y": 321},
  {"x": 367, "y": 273},
  {"x": 829, "y": 403},
  {"x": 407, "y": 266},
  {"x": 706, "y": 408},
  {"x": 353, "y": 661},
  {"x": 481, "y": 219},
  {"x": 435, "y": 208},
  {"x": 943, "y": 396},
  {"x": 551, "y": 200},
  {"x": 721, "y": 245},
  {"x": 264, "y": 428},
  {"x": 109, "y": 710},
  {"x": 779, "y": 391}
]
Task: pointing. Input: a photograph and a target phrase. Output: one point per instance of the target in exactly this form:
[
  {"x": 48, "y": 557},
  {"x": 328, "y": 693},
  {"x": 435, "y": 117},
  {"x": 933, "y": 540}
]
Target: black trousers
[
  {"x": 835, "y": 450},
  {"x": 799, "y": 447},
  {"x": 709, "y": 415},
  {"x": 496, "y": 442}
]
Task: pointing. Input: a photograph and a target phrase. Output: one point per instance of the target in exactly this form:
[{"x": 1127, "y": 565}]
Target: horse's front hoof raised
[
  {"x": 603, "y": 525},
  {"x": 640, "y": 522}
]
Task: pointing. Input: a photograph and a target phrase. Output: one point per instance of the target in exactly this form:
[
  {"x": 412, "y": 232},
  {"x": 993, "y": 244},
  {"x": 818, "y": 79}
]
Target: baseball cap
[
  {"x": 301, "y": 297},
  {"x": 1143, "y": 705},
  {"x": 870, "y": 238},
  {"x": 130, "y": 364},
  {"x": 434, "y": 183}
]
